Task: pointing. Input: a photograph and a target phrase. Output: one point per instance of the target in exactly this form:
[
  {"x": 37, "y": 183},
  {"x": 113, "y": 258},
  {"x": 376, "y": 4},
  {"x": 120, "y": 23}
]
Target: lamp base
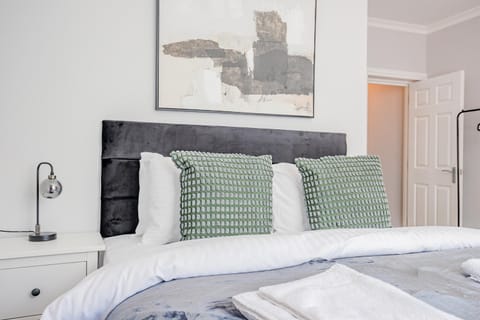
[{"x": 42, "y": 236}]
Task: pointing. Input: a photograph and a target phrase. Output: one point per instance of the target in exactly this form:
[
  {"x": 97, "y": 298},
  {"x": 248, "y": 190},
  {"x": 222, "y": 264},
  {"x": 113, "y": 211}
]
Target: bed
[{"x": 197, "y": 279}]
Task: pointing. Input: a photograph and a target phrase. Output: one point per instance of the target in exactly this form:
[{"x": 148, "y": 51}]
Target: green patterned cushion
[
  {"x": 224, "y": 194},
  {"x": 344, "y": 192}
]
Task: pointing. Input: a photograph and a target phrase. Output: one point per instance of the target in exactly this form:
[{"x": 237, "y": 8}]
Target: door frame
[{"x": 403, "y": 79}]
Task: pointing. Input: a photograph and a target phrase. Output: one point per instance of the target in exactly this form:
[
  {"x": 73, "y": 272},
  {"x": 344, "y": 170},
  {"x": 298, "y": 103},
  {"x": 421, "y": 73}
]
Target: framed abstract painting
[{"x": 247, "y": 56}]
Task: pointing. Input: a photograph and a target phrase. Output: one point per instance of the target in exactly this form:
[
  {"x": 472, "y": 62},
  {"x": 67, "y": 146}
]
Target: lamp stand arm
[{"x": 37, "y": 224}]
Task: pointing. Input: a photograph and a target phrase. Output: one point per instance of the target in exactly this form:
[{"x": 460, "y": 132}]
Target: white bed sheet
[{"x": 125, "y": 248}]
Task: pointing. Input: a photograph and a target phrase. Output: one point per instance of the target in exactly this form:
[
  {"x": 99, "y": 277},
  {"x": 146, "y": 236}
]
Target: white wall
[
  {"x": 67, "y": 65},
  {"x": 452, "y": 49},
  {"x": 397, "y": 50}
]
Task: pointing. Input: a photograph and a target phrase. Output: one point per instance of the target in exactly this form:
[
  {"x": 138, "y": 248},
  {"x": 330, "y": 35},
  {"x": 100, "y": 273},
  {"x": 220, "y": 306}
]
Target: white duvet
[{"x": 101, "y": 291}]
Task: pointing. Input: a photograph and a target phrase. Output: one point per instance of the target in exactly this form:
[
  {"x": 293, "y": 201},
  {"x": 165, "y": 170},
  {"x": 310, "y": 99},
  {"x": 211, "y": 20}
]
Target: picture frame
[{"x": 236, "y": 56}]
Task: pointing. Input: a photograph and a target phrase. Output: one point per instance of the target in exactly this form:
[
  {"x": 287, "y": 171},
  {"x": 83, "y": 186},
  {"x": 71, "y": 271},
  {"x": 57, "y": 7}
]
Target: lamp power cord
[{"x": 15, "y": 231}]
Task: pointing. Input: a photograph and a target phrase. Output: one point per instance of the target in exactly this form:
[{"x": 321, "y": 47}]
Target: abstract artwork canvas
[{"x": 248, "y": 56}]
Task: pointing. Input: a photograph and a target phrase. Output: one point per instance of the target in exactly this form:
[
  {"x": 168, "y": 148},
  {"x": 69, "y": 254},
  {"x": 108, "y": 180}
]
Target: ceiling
[{"x": 421, "y": 12}]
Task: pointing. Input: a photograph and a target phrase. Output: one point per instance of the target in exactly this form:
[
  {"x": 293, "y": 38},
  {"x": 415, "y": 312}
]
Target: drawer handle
[{"x": 35, "y": 292}]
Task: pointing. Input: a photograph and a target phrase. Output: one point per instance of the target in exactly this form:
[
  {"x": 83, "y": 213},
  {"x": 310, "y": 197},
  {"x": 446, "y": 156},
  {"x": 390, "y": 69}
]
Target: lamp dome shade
[{"x": 50, "y": 188}]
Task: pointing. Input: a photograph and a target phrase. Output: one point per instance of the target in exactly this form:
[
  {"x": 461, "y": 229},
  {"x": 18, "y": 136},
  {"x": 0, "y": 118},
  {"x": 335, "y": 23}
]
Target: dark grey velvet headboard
[{"x": 122, "y": 143}]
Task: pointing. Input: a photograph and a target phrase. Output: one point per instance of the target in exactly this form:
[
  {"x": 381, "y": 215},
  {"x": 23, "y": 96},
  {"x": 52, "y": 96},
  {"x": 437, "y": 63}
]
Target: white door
[{"x": 432, "y": 109}]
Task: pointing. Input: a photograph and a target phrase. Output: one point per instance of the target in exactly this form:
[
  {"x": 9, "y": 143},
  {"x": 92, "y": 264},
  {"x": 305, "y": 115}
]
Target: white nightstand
[{"x": 33, "y": 274}]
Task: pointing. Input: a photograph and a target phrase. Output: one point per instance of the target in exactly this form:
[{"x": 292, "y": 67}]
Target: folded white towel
[
  {"x": 472, "y": 269},
  {"x": 338, "y": 293},
  {"x": 254, "y": 307}
]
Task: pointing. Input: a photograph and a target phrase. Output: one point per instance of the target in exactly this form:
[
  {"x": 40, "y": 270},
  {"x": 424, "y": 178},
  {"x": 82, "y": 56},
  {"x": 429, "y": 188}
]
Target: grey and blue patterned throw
[{"x": 433, "y": 277}]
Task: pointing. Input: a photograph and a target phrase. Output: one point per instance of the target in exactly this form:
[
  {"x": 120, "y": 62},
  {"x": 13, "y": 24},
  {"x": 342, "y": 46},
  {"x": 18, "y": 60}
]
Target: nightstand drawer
[{"x": 27, "y": 291}]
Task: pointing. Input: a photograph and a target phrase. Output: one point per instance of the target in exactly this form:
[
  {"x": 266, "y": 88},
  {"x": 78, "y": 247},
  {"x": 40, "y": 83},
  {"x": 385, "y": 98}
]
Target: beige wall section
[
  {"x": 457, "y": 48},
  {"x": 452, "y": 49},
  {"x": 385, "y": 139},
  {"x": 396, "y": 50}
]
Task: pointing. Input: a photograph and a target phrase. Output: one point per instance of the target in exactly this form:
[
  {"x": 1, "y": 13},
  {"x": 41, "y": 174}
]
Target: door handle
[{"x": 453, "y": 172}]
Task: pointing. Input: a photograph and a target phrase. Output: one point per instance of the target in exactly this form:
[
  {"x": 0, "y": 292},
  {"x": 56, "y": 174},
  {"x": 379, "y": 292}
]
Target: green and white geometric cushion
[
  {"x": 224, "y": 194},
  {"x": 344, "y": 192}
]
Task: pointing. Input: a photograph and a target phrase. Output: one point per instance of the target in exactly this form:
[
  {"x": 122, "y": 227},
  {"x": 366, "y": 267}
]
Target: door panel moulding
[
  {"x": 405, "y": 160},
  {"x": 434, "y": 99}
]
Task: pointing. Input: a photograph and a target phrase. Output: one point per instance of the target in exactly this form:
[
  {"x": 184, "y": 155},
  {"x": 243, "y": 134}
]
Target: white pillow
[
  {"x": 158, "y": 199},
  {"x": 289, "y": 208}
]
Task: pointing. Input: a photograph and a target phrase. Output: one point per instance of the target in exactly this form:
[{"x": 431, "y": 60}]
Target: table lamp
[{"x": 50, "y": 188}]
